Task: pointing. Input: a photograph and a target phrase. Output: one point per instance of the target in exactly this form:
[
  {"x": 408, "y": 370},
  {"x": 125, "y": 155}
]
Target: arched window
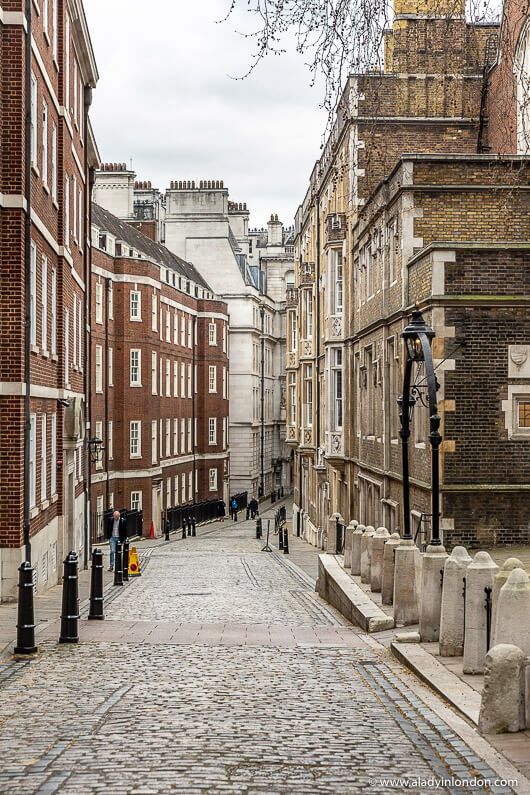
[{"x": 522, "y": 76}]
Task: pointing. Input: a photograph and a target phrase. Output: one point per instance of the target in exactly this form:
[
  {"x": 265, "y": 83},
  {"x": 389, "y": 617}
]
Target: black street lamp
[
  {"x": 418, "y": 336},
  {"x": 96, "y": 447}
]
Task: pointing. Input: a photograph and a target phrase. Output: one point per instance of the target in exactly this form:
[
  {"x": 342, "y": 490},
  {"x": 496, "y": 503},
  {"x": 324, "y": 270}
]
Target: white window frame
[
  {"x": 189, "y": 380},
  {"x": 32, "y": 460},
  {"x": 67, "y": 211},
  {"x": 212, "y": 379},
  {"x": 34, "y": 121},
  {"x": 212, "y": 333},
  {"x": 55, "y": 24},
  {"x": 135, "y": 439},
  {"x": 44, "y": 159},
  {"x": 110, "y": 366},
  {"x": 337, "y": 380},
  {"x": 168, "y": 378},
  {"x": 175, "y": 436},
  {"x": 154, "y": 312},
  {"x": 43, "y": 458},
  {"x": 53, "y": 456},
  {"x": 33, "y": 293},
  {"x": 168, "y": 325},
  {"x": 212, "y": 430},
  {"x": 110, "y": 440},
  {"x": 136, "y": 500},
  {"x": 135, "y": 367},
  {"x": 175, "y": 378},
  {"x": 54, "y": 313},
  {"x": 154, "y": 441},
  {"x": 212, "y": 479},
  {"x": 66, "y": 346},
  {"x": 135, "y": 306},
  {"x": 154, "y": 373},
  {"x": 98, "y": 368},
  {"x": 54, "y": 160},
  {"x": 44, "y": 302}
]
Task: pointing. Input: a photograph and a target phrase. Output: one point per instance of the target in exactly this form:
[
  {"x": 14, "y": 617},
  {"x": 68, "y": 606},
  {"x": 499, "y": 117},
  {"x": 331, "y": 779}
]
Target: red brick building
[
  {"x": 159, "y": 392},
  {"x": 47, "y": 74}
]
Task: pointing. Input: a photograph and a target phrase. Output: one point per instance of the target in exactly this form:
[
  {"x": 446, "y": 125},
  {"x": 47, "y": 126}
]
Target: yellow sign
[{"x": 134, "y": 563}]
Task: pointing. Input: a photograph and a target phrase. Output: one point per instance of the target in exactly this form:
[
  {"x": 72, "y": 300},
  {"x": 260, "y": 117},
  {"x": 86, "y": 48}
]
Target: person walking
[
  {"x": 116, "y": 532},
  {"x": 234, "y": 507},
  {"x": 253, "y": 505}
]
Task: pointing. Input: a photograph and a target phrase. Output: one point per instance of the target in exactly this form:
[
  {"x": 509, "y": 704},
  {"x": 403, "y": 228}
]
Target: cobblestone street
[{"x": 220, "y": 670}]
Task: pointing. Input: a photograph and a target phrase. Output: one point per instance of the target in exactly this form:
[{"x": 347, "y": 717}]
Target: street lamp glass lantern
[{"x": 411, "y": 335}]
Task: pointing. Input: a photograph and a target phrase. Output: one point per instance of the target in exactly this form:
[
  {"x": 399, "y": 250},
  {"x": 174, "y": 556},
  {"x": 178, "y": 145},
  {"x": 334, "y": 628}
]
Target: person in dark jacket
[
  {"x": 253, "y": 505},
  {"x": 234, "y": 508},
  {"x": 116, "y": 531}
]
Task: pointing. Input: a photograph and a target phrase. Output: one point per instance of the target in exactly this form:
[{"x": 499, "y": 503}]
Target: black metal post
[
  {"x": 285, "y": 540},
  {"x": 126, "y": 560},
  {"x": 26, "y": 615},
  {"x": 166, "y": 527},
  {"x": 262, "y": 404},
  {"x": 70, "y": 611},
  {"x": 280, "y": 534},
  {"x": 118, "y": 566},
  {"x": 193, "y": 525},
  {"x": 258, "y": 528},
  {"x": 96, "y": 587},
  {"x": 404, "y": 404}
]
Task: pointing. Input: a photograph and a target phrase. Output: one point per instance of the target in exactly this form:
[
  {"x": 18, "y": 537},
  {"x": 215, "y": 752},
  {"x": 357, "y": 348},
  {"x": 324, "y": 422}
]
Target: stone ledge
[
  {"x": 461, "y": 696},
  {"x": 337, "y": 588}
]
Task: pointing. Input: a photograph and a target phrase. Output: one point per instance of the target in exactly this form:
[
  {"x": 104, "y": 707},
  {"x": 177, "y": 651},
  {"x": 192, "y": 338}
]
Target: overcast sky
[{"x": 165, "y": 100}]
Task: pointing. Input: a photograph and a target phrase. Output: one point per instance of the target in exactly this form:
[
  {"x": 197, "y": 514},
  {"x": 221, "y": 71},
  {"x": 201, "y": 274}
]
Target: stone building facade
[
  {"x": 159, "y": 399},
  {"x": 380, "y": 231},
  {"x": 47, "y": 75}
]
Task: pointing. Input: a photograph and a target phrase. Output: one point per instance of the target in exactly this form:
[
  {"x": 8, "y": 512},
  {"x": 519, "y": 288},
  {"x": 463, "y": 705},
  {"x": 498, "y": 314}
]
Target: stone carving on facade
[
  {"x": 308, "y": 436},
  {"x": 519, "y": 361},
  {"x": 336, "y": 326},
  {"x": 292, "y": 360},
  {"x": 308, "y": 348},
  {"x": 336, "y": 443}
]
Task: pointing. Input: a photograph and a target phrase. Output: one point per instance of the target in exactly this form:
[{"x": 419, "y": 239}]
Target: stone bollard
[
  {"x": 512, "y": 622},
  {"x": 356, "y": 550},
  {"x": 387, "y": 584},
  {"x": 70, "y": 609},
  {"x": 452, "y": 615},
  {"x": 406, "y": 600},
  {"x": 26, "y": 613},
  {"x": 433, "y": 562},
  {"x": 96, "y": 587},
  {"x": 366, "y": 553},
  {"x": 379, "y": 540},
  {"x": 480, "y": 574},
  {"x": 348, "y": 539},
  {"x": 500, "y": 579},
  {"x": 502, "y": 705}
]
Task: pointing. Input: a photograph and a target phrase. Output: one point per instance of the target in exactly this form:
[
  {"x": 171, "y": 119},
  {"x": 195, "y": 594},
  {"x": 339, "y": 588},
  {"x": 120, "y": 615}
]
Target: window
[
  {"x": 153, "y": 373},
  {"x": 175, "y": 327},
  {"x": 154, "y": 312},
  {"x": 43, "y": 484},
  {"x": 213, "y": 479},
  {"x": 212, "y": 378},
  {"x": 80, "y": 220},
  {"x": 175, "y": 379},
  {"x": 99, "y": 369},
  {"x": 523, "y": 415},
  {"x": 54, "y": 312},
  {"x": 308, "y": 393},
  {"x": 74, "y": 200},
  {"x": 66, "y": 346},
  {"x": 336, "y": 385},
  {"x": 176, "y": 488},
  {"x": 34, "y": 120},
  {"x": 110, "y": 440},
  {"x": 190, "y": 486},
  {"x": 110, "y": 299},
  {"x": 80, "y": 335},
  {"x": 212, "y": 430},
  {"x": 183, "y": 487},
  {"x": 224, "y": 338},
  {"x": 45, "y": 14},
  {"x": 308, "y": 314},
  {"x": 135, "y": 305},
  {"x": 175, "y": 436},
  {"x": 55, "y": 23},
  {"x": 168, "y": 378},
  {"x": 67, "y": 211},
  {"x": 67, "y": 65},
  {"x": 182, "y": 379},
  {"x": 54, "y": 162},
  {"x": 212, "y": 333},
  {"x": 292, "y": 398},
  {"x": 189, "y": 435},
  {"x": 99, "y": 435},
  {"x": 168, "y": 492},
  {"x": 44, "y": 169},
  {"x": 53, "y": 458},
  {"x": 224, "y": 433},
  {"x": 168, "y": 325},
  {"x": 189, "y": 332},
  {"x": 224, "y": 384},
  {"x": 168, "y": 438},
  {"x": 189, "y": 380},
  {"x": 292, "y": 331},
  {"x": 335, "y": 272},
  {"x": 136, "y": 500},
  {"x": 182, "y": 435},
  {"x": 135, "y": 439},
  {"x": 32, "y": 460},
  {"x": 75, "y": 90},
  {"x": 44, "y": 303},
  {"x": 136, "y": 367},
  {"x": 153, "y": 441},
  {"x": 74, "y": 331},
  {"x": 110, "y": 366},
  {"x": 33, "y": 293}
]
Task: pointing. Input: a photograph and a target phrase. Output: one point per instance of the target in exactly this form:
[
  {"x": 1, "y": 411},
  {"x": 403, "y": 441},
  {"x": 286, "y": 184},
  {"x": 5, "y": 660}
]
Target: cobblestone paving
[{"x": 315, "y": 716}]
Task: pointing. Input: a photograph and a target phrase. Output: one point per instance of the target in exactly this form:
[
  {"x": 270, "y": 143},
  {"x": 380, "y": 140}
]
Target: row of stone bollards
[{"x": 69, "y": 632}]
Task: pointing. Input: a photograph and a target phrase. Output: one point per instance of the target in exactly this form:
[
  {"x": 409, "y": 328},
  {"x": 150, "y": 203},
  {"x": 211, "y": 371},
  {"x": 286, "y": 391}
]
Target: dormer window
[{"x": 103, "y": 241}]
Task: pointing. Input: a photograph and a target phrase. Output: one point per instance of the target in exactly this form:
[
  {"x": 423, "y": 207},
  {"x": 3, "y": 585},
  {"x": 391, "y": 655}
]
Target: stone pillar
[
  {"x": 331, "y": 543},
  {"x": 407, "y": 561},
  {"x": 356, "y": 550},
  {"x": 513, "y": 611},
  {"x": 500, "y": 579},
  {"x": 366, "y": 553},
  {"x": 348, "y": 539},
  {"x": 376, "y": 563},
  {"x": 452, "y": 615},
  {"x": 480, "y": 574},
  {"x": 387, "y": 586},
  {"x": 502, "y": 705},
  {"x": 433, "y": 562}
]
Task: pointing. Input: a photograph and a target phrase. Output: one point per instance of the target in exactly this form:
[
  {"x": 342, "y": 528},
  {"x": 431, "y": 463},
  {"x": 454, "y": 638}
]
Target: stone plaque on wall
[{"x": 519, "y": 361}]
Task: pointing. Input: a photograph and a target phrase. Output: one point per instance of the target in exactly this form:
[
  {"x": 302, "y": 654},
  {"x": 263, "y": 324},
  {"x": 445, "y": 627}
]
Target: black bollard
[
  {"x": 193, "y": 523},
  {"x": 167, "y": 529},
  {"x": 189, "y": 525},
  {"x": 118, "y": 566},
  {"x": 184, "y": 525},
  {"x": 285, "y": 540},
  {"x": 258, "y": 528},
  {"x": 126, "y": 560},
  {"x": 280, "y": 537},
  {"x": 26, "y": 617},
  {"x": 96, "y": 587},
  {"x": 70, "y": 611}
]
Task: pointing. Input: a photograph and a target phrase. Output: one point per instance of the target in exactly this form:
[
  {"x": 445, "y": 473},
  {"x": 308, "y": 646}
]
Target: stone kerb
[
  {"x": 387, "y": 586},
  {"x": 366, "y": 553},
  {"x": 348, "y": 543},
  {"x": 480, "y": 574},
  {"x": 502, "y": 707},
  {"x": 379, "y": 540},
  {"x": 406, "y": 596},
  {"x": 356, "y": 550},
  {"x": 452, "y": 613},
  {"x": 513, "y": 611},
  {"x": 433, "y": 562},
  {"x": 500, "y": 579}
]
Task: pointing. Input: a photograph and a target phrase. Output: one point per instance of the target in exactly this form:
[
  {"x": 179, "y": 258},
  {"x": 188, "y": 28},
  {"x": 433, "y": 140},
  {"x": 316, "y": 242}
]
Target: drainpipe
[
  {"x": 262, "y": 402},
  {"x": 27, "y": 285},
  {"x": 87, "y": 308},
  {"x": 106, "y": 410}
]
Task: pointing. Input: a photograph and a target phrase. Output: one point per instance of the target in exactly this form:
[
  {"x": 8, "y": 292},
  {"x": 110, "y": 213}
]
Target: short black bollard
[
  {"x": 96, "y": 587},
  {"x": 285, "y": 540},
  {"x": 193, "y": 526},
  {"x": 167, "y": 529},
  {"x": 26, "y": 616},
  {"x": 189, "y": 525},
  {"x": 258, "y": 528},
  {"x": 280, "y": 537},
  {"x": 118, "y": 566},
  {"x": 126, "y": 560},
  {"x": 70, "y": 611},
  {"x": 248, "y": 513},
  {"x": 184, "y": 526}
]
